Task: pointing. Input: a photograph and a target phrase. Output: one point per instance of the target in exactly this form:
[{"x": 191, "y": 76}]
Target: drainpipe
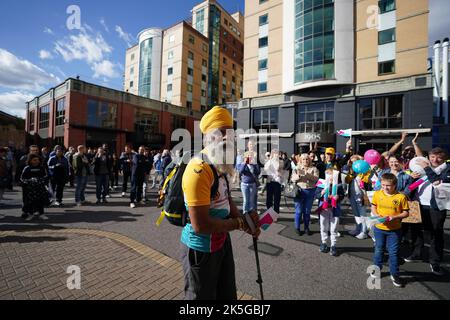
[
  {"x": 445, "y": 45},
  {"x": 437, "y": 77}
]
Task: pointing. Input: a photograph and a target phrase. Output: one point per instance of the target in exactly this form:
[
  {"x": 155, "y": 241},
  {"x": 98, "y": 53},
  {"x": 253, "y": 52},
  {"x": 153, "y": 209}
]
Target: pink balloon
[{"x": 372, "y": 157}]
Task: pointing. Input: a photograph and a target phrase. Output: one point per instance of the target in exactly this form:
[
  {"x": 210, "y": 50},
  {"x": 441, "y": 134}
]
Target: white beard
[{"x": 222, "y": 157}]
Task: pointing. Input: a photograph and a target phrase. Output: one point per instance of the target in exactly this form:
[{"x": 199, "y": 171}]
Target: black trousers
[
  {"x": 58, "y": 188},
  {"x": 209, "y": 276},
  {"x": 126, "y": 177},
  {"x": 432, "y": 224},
  {"x": 137, "y": 185},
  {"x": 114, "y": 179}
]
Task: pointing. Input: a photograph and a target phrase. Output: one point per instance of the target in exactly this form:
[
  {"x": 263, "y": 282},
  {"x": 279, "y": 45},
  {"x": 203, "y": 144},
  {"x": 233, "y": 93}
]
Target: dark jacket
[
  {"x": 249, "y": 173},
  {"x": 58, "y": 168},
  {"x": 125, "y": 166},
  {"x": 166, "y": 160},
  {"x": 98, "y": 164},
  {"x": 403, "y": 181},
  {"x": 433, "y": 177},
  {"x": 139, "y": 166}
]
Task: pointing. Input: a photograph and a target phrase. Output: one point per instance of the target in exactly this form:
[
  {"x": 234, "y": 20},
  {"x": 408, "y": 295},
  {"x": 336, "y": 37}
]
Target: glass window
[
  {"x": 316, "y": 117},
  {"x": 262, "y": 1},
  {"x": 225, "y": 61},
  {"x": 169, "y": 87},
  {"x": 131, "y": 84},
  {"x": 102, "y": 114},
  {"x": 386, "y": 5},
  {"x": 264, "y": 19},
  {"x": 265, "y": 119},
  {"x": 189, "y": 87},
  {"x": 386, "y": 67},
  {"x": 263, "y": 42},
  {"x": 44, "y": 117},
  {"x": 131, "y": 71},
  {"x": 204, "y": 63},
  {"x": 205, "y": 48},
  {"x": 170, "y": 55},
  {"x": 60, "y": 111},
  {"x": 190, "y": 55},
  {"x": 381, "y": 112},
  {"x": 204, "y": 77},
  {"x": 191, "y": 39},
  {"x": 190, "y": 72},
  {"x": 262, "y": 64},
  {"x": 170, "y": 71},
  {"x": 386, "y": 36},
  {"x": 172, "y": 38},
  {"x": 31, "y": 120},
  {"x": 132, "y": 57},
  {"x": 199, "y": 21},
  {"x": 262, "y": 87}
]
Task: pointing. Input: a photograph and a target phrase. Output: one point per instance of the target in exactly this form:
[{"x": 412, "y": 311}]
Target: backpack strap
[{"x": 215, "y": 186}]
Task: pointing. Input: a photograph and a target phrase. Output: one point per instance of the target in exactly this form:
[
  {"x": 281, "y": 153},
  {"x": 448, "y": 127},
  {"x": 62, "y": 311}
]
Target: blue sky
[{"x": 37, "y": 50}]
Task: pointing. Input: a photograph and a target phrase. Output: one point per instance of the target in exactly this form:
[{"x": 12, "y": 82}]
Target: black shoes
[{"x": 397, "y": 281}]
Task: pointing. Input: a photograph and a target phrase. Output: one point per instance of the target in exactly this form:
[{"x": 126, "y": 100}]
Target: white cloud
[
  {"x": 83, "y": 47},
  {"x": 48, "y": 31},
  {"x": 103, "y": 23},
  {"x": 127, "y": 37},
  {"x": 17, "y": 73},
  {"x": 14, "y": 102},
  {"x": 44, "y": 54},
  {"x": 105, "y": 69}
]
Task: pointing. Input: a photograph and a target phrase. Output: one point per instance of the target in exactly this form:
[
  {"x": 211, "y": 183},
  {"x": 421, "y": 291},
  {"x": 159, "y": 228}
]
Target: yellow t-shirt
[{"x": 390, "y": 205}]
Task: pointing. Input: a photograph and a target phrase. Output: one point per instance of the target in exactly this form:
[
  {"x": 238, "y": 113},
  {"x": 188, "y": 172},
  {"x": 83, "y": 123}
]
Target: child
[
  {"x": 35, "y": 195},
  {"x": 330, "y": 210},
  {"x": 390, "y": 204}
]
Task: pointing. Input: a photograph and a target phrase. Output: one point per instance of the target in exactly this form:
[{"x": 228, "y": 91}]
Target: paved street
[{"x": 122, "y": 254}]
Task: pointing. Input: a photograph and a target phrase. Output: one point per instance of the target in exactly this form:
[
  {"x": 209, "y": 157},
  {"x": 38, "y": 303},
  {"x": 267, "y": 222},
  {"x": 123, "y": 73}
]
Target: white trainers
[
  {"x": 78, "y": 204},
  {"x": 132, "y": 205},
  {"x": 361, "y": 236},
  {"x": 123, "y": 194}
]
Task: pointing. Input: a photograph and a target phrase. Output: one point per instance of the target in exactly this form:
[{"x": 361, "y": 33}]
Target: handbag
[{"x": 292, "y": 190}]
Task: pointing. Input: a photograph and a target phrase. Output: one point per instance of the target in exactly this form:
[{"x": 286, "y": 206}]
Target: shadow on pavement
[{"x": 18, "y": 239}]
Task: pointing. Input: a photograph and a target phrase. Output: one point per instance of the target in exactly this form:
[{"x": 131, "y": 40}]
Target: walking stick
[{"x": 255, "y": 246}]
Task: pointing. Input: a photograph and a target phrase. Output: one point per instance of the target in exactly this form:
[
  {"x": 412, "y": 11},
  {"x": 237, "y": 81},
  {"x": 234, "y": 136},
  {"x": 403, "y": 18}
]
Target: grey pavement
[{"x": 294, "y": 270}]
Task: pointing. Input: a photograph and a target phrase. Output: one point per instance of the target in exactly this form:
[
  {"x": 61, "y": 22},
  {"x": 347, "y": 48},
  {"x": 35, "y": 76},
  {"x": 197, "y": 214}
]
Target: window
[
  {"x": 225, "y": 61},
  {"x": 171, "y": 38},
  {"x": 189, "y": 104},
  {"x": 31, "y": 120},
  {"x": 225, "y": 47},
  {"x": 262, "y": 1},
  {"x": 263, "y": 42},
  {"x": 233, "y": 79},
  {"x": 170, "y": 55},
  {"x": 386, "y": 67},
  {"x": 263, "y": 19},
  {"x": 191, "y": 39},
  {"x": 381, "y": 112},
  {"x": 44, "y": 116},
  {"x": 265, "y": 119},
  {"x": 262, "y": 87},
  {"x": 131, "y": 84},
  {"x": 132, "y": 71},
  {"x": 189, "y": 87},
  {"x": 205, "y": 48},
  {"x": 101, "y": 114},
  {"x": 224, "y": 88},
  {"x": 190, "y": 55},
  {"x": 225, "y": 21},
  {"x": 204, "y": 63},
  {"x": 224, "y": 74},
  {"x": 200, "y": 20},
  {"x": 60, "y": 111},
  {"x": 315, "y": 117},
  {"x": 132, "y": 57},
  {"x": 178, "y": 122},
  {"x": 170, "y": 71},
  {"x": 262, "y": 64},
  {"x": 190, "y": 72},
  {"x": 204, "y": 77},
  {"x": 234, "y": 54},
  {"x": 233, "y": 66},
  {"x": 386, "y": 36},
  {"x": 203, "y": 93},
  {"x": 169, "y": 87},
  {"x": 146, "y": 124},
  {"x": 386, "y": 5}
]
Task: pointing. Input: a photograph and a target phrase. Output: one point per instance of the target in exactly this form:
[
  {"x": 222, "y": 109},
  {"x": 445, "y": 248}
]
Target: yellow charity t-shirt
[{"x": 390, "y": 205}]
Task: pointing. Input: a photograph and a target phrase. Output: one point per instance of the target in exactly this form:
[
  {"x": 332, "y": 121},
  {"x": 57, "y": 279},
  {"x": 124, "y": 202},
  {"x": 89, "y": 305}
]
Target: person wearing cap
[{"x": 206, "y": 250}]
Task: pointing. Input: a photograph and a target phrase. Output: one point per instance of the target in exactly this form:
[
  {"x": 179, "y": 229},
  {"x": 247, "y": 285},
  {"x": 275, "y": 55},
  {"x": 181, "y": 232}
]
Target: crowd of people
[{"x": 379, "y": 192}]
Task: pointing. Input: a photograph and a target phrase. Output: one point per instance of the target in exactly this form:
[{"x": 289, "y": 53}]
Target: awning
[{"x": 267, "y": 134}]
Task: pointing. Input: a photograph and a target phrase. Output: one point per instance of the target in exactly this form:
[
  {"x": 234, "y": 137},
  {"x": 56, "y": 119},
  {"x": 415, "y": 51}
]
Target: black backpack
[{"x": 171, "y": 197}]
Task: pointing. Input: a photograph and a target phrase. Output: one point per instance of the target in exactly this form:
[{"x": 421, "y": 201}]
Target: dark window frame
[{"x": 380, "y": 68}]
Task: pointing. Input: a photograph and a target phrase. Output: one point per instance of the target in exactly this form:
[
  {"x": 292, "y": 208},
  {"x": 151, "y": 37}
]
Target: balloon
[
  {"x": 361, "y": 167},
  {"x": 372, "y": 157},
  {"x": 414, "y": 167}
]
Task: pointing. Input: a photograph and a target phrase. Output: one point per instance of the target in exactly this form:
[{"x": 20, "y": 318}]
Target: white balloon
[{"x": 414, "y": 167}]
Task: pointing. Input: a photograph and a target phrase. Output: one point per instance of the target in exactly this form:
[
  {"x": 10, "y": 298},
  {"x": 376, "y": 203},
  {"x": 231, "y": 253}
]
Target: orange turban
[{"x": 215, "y": 118}]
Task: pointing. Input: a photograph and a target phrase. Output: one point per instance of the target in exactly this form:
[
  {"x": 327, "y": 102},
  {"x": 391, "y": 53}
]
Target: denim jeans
[
  {"x": 303, "y": 205},
  {"x": 137, "y": 184},
  {"x": 250, "y": 195},
  {"x": 102, "y": 185},
  {"x": 273, "y": 196},
  {"x": 81, "y": 182},
  {"x": 391, "y": 240}
]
